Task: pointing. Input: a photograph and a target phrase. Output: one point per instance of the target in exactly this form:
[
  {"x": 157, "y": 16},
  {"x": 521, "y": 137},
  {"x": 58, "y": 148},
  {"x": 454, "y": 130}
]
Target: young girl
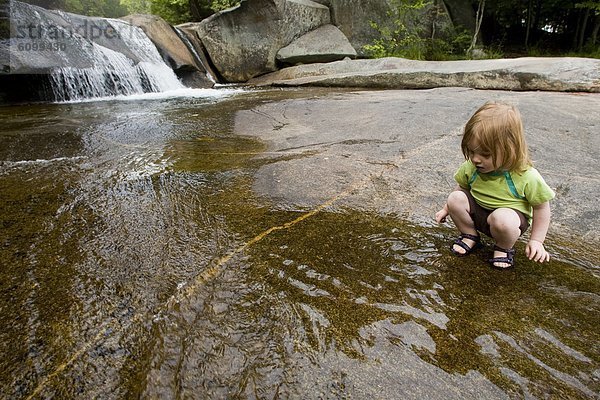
[{"x": 499, "y": 192}]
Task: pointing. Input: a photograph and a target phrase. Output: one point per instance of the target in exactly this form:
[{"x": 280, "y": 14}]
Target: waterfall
[
  {"x": 199, "y": 59},
  {"x": 111, "y": 73}
]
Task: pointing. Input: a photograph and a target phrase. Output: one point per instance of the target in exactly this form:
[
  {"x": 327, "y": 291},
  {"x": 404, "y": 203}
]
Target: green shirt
[{"x": 517, "y": 190}]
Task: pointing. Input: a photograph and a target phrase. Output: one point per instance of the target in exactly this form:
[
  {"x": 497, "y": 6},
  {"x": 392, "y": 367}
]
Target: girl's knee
[
  {"x": 504, "y": 219},
  {"x": 458, "y": 199}
]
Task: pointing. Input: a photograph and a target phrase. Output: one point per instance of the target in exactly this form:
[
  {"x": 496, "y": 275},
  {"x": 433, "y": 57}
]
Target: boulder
[
  {"x": 564, "y": 74},
  {"x": 355, "y": 17},
  {"x": 243, "y": 42},
  {"x": 173, "y": 49},
  {"x": 324, "y": 44}
]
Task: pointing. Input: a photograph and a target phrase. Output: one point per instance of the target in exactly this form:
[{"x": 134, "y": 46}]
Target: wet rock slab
[
  {"x": 374, "y": 156},
  {"x": 280, "y": 244},
  {"x": 401, "y": 148}
]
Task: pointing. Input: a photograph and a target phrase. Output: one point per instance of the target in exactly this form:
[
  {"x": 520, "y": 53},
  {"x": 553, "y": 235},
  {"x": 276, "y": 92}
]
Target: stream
[{"x": 138, "y": 261}]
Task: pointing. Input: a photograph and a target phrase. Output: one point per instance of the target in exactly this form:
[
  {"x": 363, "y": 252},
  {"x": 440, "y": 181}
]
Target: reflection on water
[{"x": 137, "y": 262}]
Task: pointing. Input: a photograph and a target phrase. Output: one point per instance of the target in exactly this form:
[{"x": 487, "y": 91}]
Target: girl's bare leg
[
  {"x": 458, "y": 208},
  {"x": 504, "y": 226}
]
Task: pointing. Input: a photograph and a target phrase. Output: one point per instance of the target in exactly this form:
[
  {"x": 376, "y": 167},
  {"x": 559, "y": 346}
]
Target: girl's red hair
[{"x": 497, "y": 129}]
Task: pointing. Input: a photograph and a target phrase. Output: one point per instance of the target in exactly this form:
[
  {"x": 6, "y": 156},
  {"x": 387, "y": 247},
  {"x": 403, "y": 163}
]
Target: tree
[
  {"x": 48, "y": 4},
  {"x": 590, "y": 9},
  {"x": 98, "y": 8},
  {"x": 173, "y": 11},
  {"x": 478, "y": 20},
  {"x": 201, "y": 9},
  {"x": 179, "y": 11},
  {"x": 549, "y": 25},
  {"x": 401, "y": 37},
  {"x": 136, "y": 6},
  {"x": 218, "y": 5}
]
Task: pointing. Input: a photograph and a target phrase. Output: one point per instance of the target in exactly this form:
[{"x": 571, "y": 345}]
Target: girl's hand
[
  {"x": 535, "y": 251},
  {"x": 441, "y": 215}
]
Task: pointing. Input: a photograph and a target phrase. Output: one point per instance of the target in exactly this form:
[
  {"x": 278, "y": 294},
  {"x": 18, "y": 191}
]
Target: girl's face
[{"x": 481, "y": 158}]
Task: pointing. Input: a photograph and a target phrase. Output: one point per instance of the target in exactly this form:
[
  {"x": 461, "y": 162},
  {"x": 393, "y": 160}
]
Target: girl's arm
[{"x": 541, "y": 221}]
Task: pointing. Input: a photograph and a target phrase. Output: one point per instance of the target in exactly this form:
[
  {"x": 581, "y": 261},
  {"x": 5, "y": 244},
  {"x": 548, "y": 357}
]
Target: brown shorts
[{"x": 479, "y": 215}]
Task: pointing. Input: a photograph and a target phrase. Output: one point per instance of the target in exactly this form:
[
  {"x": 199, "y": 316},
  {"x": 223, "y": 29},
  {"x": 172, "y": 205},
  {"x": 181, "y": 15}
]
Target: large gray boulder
[
  {"x": 243, "y": 42},
  {"x": 566, "y": 74},
  {"x": 324, "y": 44},
  {"x": 355, "y": 17},
  {"x": 173, "y": 49}
]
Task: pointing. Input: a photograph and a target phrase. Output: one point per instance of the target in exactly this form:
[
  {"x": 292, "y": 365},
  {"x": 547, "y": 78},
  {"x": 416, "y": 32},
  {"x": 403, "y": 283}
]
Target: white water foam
[
  {"x": 113, "y": 73},
  {"x": 183, "y": 92},
  {"x": 6, "y": 166}
]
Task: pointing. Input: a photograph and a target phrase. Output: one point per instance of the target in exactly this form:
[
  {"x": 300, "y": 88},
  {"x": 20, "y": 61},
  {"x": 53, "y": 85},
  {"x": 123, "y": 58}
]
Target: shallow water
[{"x": 137, "y": 261}]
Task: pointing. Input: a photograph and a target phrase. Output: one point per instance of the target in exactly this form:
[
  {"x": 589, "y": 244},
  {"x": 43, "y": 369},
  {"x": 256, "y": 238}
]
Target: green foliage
[
  {"x": 493, "y": 52},
  {"x": 173, "y": 11},
  {"x": 136, "y": 6},
  {"x": 406, "y": 37},
  {"x": 396, "y": 42},
  {"x": 401, "y": 38},
  {"x": 176, "y": 10},
  {"x": 588, "y": 51},
  {"x": 555, "y": 26},
  {"x": 592, "y": 5},
  {"x": 451, "y": 44},
  {"x": 218, "y": 5},
  {"x": 180, "y": 11},
  {"x": 539, "y": 27},
  {"x": 97, "y": 8}
]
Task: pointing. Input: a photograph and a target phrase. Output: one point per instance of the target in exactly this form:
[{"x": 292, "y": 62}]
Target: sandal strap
[
  {"x": 475, "y": 238},
  {"x": 509, "y": 259},
  {"x": 501, "y": 260},
  {"x": 462, "y": 244},
  {"x": 509, "y": 252},
  {"x": 468, "y": 249}
]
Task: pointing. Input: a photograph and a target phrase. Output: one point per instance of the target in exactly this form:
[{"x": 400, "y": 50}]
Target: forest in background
[
  {"x": 501, "y": 28},
  {"x": 173, "y": 11}
]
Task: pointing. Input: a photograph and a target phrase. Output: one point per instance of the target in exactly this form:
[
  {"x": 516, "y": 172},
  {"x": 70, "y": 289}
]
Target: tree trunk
[
  {"x": 576, "y": 30},
  {"x": 595, "y": 30},
  {"x": 461, "y": 13},
  {"x": 582, "y": 31},
  {"x": 478, "y": 20},
  {"x": 199, "y": 10},
  {"x": 536, "y": 21},
  {"x": 529, "y": 10}
]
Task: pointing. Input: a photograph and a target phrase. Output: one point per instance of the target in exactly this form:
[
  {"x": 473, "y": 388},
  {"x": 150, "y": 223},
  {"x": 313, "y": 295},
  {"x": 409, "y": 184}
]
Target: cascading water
[
  {"x": 195, "y": 53},
  {"x": 112, "y": 73},
  {"x": 84, "y": 57}
]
